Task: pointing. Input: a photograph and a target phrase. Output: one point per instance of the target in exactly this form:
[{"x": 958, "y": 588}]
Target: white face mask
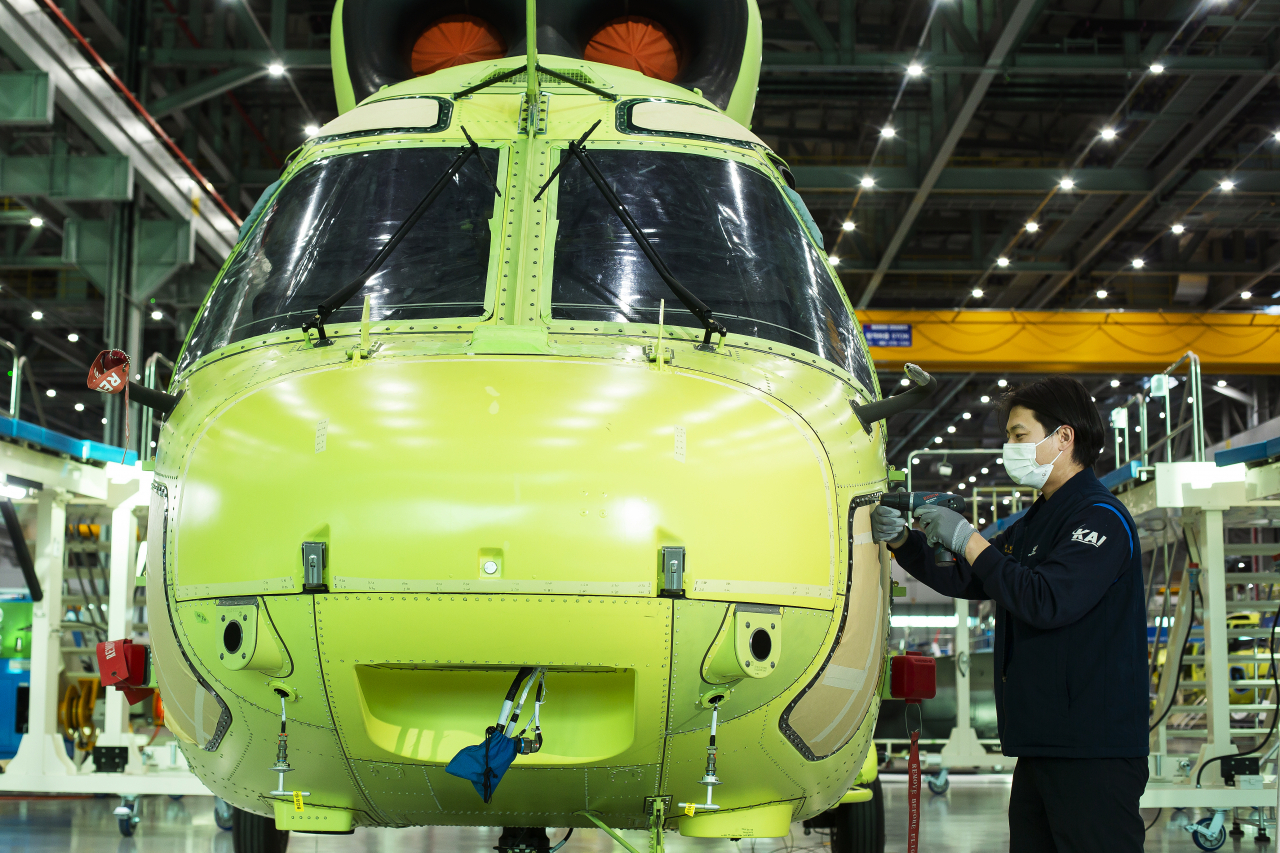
[{"x": 1020, "y": 463}]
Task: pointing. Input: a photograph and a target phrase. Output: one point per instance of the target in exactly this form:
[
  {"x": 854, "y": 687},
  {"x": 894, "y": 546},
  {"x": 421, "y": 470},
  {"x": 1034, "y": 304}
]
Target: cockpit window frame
[
  {"x": 443, "y": 119},
  {"x": 622, "y": 120},
  {"x": 749, "y": 157},
  {"x": 497, "y": 223}
]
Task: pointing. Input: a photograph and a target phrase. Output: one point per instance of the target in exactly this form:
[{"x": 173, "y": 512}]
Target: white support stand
[
  {"x": 962, "y": 748},
  {"x": 41, "y": 763}
]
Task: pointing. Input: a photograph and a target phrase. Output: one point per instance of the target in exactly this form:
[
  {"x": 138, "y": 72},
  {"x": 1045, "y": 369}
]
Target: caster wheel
[
  {"x": 935, "y": 788},
  {"x": 251, "y": 833},
  {"x": 222, "y": 813},
  {"x": 126, "y": 825},
  {"x": 1206, "y": 843}
]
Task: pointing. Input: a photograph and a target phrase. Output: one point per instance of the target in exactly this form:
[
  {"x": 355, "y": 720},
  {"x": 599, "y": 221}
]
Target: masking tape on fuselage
[
  {"x": 227, "y": 590},
  {"x": 797, "y": 590},
  {"x": 349, "y": 584}
]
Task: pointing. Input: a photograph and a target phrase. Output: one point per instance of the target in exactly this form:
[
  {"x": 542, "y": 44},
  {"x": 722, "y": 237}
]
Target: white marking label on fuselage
[
  {"x": 322, "y": 435},
  {"x": 679, "y": 444}
]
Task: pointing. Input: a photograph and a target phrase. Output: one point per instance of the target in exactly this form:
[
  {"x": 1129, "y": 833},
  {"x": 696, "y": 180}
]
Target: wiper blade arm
[
  {"x": 337, "y": 300},
  {"x": 695, "y": 306}
]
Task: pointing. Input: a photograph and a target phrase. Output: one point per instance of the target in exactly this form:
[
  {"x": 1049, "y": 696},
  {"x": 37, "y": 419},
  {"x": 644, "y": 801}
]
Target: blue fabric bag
[{"x": 484, "y": 764}]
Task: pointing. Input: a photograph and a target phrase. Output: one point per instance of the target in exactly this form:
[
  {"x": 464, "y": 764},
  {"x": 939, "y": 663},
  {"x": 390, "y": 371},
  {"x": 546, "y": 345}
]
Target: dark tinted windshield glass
[
  {"x": 727, "y": 234},
  {"x": 330, "y": 220}
]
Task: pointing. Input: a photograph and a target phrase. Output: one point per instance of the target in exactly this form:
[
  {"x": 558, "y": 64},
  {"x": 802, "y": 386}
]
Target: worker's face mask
[{"x": 1020, "y": 463}]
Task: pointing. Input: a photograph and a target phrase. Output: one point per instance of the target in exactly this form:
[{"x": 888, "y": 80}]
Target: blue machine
[{"x": 15, "y": 671}]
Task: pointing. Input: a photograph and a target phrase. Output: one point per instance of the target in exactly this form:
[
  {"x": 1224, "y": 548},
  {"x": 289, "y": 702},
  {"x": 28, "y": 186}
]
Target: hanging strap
[{"x": 913, "y": 785}]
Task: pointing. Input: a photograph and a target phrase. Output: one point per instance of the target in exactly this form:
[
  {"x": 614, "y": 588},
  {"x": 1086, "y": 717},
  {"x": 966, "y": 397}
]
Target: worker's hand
[
  {"x": 888, "y": 525},
  {"x": 944, "y": 527}
]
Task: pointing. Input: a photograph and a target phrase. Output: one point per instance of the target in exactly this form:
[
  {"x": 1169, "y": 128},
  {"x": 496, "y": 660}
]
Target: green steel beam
[
  {"x": 26, "y": 98},
  {"x": 779, "y": 61},
  {"x": 1032, "y": 181},
  {"x": 234, "y": 56},
  {"x": 210, "y": 87},
  {"x": 817, "y": 29},
  {"x": 67, "y": 178}
]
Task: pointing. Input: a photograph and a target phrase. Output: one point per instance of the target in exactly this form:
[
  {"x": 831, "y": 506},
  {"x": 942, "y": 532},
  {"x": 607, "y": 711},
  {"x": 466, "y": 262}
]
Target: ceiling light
[
  {"x": 888, "y": 132},
  {"x": 1002, "y": 382},
  {"x": 984, "y": 399},
  {"x": 1178, "y": 228},
  {"x": 904, "y": 381},
  {"x": 937, "y": 439},
  {"x": 848, "y": 226},
  {"x": 984, "y": 471},
  {"x": 1222, "y": 383},
  {"x": 73, "y": 337},
  {"x": 959, "y": 485},
  {"x": 834, "y": 259},
  {"x": 1191, "y": 399},
  {"x": 966, "y": 415},
  {"x": 999, "y": 460},
  {"x": 1108, "y": 133},
  {"x": 79, "y": 407},
  {"x": 1157, "y": 68},
  {"x": 867, "y": 182},
  {"x": 1115, "y": 383},
  {"x": 915, "y": 69},
  {"x": 1248, "y": 294},
  {"x": 36, "y": 222},
  {"x": 104, "y": 421},
  {"x": 37, "y": 315},
  {"x": 1033, "y": 227},
  {"x": 1102, "y": 294},
  {"x": 977, "y": 293},
  {"x": 915, "y": 460},
  {"x": 311, "y": 130},
  {"x": 1276, "y": 135},
  {"x": 1227, "y": 185},
  {"x": 1066, "y": 184},
  {"x": 157, "y": 315},
  {"x": 51, "y": 393},
  {"x": 1138, "y": 263},
  {"x": 1002, "y": 261},
  {"x": 972, "y": 479},
  {"x": 951, "y": 428},
  {"x": 275, "y": 69}
]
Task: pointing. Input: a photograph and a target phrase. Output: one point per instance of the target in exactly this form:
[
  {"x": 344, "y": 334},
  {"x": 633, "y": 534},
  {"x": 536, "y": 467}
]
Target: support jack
[{"x": 709, "y": 778}]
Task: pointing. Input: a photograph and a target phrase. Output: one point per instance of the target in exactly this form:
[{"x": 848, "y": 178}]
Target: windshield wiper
[
  {"x": 337, "y": 300},
  {"x": 695, "y": 306}
]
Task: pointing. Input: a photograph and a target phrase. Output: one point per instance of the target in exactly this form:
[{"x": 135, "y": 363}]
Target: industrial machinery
[{"x": 531, "y": 360}]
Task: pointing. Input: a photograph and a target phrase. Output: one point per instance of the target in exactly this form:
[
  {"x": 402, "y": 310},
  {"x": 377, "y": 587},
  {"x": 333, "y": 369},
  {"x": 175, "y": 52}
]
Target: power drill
[{"x": 907, "y": 502}]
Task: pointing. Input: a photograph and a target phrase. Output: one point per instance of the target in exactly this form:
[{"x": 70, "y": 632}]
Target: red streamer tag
[
  {"x": 913, "y": 795},
  {"x": 109, "y": 372}
]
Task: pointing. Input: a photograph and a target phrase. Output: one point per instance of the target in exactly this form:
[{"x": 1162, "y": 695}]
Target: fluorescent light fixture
[
  {"x": 1157, "y": 68},
  {"x": 1115, "y": 383},
  {"x": 1178, "y": 228},
  {"x": 1108, "y": 133},
  {"x": 311, "y": 130},
  {"x": 977, "y": 293},
  {"x": 1276, "y": 136},
  {"x": 985, "y": 471},
  {"x": 1002, "y": 261},
  {"x": 104, "y": 421},
  {"x": 915, "y": 460},
  {"x": 1226, "y": 185},
  {"x": 157, "y": 315},
  {"x": 73, "y": 337},
  {"x": 867, "y": 182},
  {"x": 848, "y": 226},
  {"x": 1102, "y": 294},
  {"x": 904, "y": 381},
  {"x": 941, "y": 621},
  {"x": 888, "y": 132},
  {"x": 984, "y": 399},
  {"x": 52, "y": 392},
  {"x": 972, "y": 479},
  {"x": 937, "y": 439},
  {"x": 1139, "y": 263},
  {"x": 37, "y": 315},
  {"x": 36, "y": 222},
  {"x": 79, "y": 407},
  {"x": 1002, "y": 382},
  {"x": 959, "y": 485},
  {"x": 1033, "y": 227},
  {"x": 275, "y": 69},
  {"x": 915, "y": 69},
  {"x": 951, "y": 428},
  {"x": 835, "y": 260},
  {"x": 1248, "y": 294},
  {"x": 1066, "y": 184},
  {"x": 965, "y": 415},
  {"x": 1222, "y": 383}
]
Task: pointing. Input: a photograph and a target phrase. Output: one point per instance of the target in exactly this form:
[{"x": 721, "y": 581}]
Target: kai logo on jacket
[{"x": 1089, "y": 537}]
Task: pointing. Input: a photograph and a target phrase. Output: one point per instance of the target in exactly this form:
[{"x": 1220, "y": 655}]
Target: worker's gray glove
[
  {"x": 944, "y": 527},
  {"x": 888, "y": 525}
]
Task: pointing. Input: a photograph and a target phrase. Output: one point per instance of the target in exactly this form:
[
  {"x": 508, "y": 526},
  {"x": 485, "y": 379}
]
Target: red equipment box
[{"x": 913, "y": 677}]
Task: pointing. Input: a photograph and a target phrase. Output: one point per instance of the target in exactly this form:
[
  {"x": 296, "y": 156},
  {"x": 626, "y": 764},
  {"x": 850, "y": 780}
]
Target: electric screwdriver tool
[{"x": 907, "y": 502}]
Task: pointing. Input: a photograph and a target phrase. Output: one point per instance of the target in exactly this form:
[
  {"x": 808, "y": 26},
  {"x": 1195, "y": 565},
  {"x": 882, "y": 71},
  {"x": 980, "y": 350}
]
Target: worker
[{"x": 1070, "y": 634}]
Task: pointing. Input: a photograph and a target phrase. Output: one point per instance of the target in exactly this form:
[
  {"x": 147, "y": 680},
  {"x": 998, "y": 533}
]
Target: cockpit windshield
[
  {"x": 724, "y": 230},
  {"x": 330, "y": 220}
]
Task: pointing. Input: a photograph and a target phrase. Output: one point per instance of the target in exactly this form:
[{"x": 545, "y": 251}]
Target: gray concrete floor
[{"x": 969, "y": 818}]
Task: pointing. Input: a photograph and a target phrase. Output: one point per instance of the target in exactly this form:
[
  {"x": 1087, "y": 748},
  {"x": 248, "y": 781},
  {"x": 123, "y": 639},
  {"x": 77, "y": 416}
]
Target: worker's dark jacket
[{"x": 1071, "y": 631}]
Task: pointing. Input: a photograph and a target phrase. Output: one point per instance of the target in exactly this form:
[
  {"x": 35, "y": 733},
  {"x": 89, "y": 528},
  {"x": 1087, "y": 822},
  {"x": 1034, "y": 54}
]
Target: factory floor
[{"x": 970, "y": 817}]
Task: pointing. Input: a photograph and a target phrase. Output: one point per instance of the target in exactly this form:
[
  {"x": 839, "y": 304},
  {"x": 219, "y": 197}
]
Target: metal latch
[
  {"x": 313, "y": 566},
  {"x": 673, "y": 571}
]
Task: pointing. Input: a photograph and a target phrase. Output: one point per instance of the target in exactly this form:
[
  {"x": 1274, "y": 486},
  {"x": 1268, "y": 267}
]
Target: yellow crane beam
[{"x": 1071, "y": 341}]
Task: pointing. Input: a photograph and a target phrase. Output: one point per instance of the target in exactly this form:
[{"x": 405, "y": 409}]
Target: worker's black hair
[{"x": 1058, "y": 400}]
